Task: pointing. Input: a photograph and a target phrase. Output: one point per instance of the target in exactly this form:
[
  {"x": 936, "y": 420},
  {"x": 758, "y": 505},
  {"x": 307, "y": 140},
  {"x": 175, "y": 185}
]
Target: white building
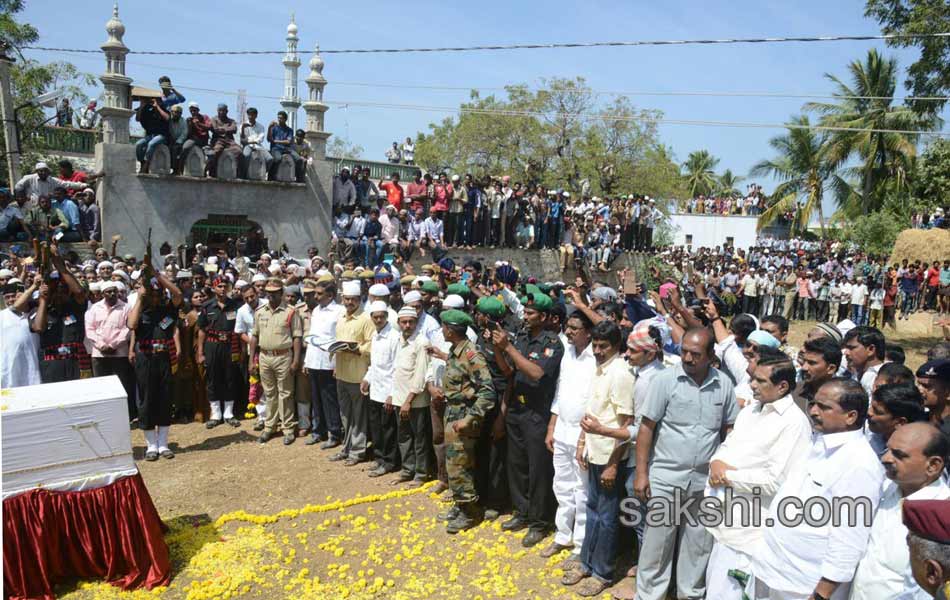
[{"x": 697, "y": 231}]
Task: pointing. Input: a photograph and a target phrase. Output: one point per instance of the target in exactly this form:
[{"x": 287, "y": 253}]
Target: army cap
[
  {"x": 456, "y": 317},
  {"x": 430, "y": 287},
  {"x": 458, "y": 288},
  {"x": 308, "y": 285},
  {"x": 539, "y": 302},
  {"x": 274, "y": 285},
  {"x": 491, "y": 306}
]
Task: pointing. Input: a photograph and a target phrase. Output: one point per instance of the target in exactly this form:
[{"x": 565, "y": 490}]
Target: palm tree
[
  {"x": 727, "y": 185},
  {"x": 700, "y": 172},
  {"x": 805, "y": 172},
  {"x": 866, "y": 107}
]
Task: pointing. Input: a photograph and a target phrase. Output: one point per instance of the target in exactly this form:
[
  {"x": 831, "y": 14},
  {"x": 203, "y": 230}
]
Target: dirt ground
[{"x": 383, "y": 548}]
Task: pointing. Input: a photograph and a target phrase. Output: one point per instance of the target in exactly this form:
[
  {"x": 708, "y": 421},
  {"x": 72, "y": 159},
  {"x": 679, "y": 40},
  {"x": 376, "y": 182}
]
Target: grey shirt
[{"x": 689, "y": 420}]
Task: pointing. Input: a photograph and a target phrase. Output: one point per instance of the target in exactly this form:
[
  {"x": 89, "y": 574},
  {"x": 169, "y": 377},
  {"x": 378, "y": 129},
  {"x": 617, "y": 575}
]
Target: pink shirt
[{"x": 106, "y": 326}]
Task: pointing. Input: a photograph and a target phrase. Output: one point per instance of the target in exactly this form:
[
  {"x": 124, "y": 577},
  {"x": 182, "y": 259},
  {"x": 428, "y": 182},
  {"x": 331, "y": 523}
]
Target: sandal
[
  {"x": 574, "y": 576},
  {"x": 592, "y": 586},
  {"x": 151, "y": 456}
]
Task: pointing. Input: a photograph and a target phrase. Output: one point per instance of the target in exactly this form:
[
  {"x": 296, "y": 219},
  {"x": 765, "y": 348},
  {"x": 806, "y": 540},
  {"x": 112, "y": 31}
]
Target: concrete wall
[
  {"x": 712, "y": 230},
  {"x": 297, "y": 214}
]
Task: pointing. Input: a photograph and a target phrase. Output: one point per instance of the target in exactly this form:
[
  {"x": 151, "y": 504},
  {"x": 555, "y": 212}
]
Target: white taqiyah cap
[
  {"x": 412, "y": 297},
  {"x": 378, "y": 306},
  {"x": 378, "y": 289},
  {"x": 453, "y": 301},
  {"x": 351, "y": 288}
]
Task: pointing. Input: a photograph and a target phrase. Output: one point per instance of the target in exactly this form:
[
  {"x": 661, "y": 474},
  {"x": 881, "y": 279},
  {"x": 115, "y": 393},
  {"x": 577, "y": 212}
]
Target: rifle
[{"x": 147, "y": 269}]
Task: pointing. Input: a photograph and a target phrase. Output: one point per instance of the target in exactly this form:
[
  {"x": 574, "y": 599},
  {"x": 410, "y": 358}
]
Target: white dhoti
[
  {"x": 719, "y": 584},
  {"x": 764, "y": 592},
  {"x": 570, "y": 489}
]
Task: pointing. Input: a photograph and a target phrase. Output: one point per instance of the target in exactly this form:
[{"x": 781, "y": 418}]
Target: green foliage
[
  {"x": 929, "y": 76},
  {"x": 341, "y": 147},
  {"x": 875, "y": 233},
  {"x": 700, "y": 173},
  {"x": 558, "y": 136},
  {"x": 932, "y": 177}
]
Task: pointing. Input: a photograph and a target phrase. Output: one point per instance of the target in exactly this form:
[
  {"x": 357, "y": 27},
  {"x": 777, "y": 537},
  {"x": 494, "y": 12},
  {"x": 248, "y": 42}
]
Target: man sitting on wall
[
  {"x": 253, "y": 136},
  {"x": 281, "y": 138},
  {"x": 223, "y": 129}
]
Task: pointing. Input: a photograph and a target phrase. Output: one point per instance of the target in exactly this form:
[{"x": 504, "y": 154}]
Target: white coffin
[{"x": 65, "y": 436}]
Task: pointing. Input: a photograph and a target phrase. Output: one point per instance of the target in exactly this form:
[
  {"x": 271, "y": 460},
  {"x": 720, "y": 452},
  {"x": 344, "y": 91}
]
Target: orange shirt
[{"x": 394, "y": 193}]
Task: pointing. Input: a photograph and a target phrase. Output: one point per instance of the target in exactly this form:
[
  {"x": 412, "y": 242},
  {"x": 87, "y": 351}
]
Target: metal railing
[{"x": 377, "y": 169}]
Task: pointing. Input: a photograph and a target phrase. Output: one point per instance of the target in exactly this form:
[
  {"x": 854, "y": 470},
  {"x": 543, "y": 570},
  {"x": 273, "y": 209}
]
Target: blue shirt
[
  {"x": 555, "y": 209},
  {"x": 281, "y": 133},
  {"x": 172, "y": 99},
  {"x": 70, "y": 210}
]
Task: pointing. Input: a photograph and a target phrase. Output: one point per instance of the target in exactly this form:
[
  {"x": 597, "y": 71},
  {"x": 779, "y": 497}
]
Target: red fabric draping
[{"x": 111, "y": 533}]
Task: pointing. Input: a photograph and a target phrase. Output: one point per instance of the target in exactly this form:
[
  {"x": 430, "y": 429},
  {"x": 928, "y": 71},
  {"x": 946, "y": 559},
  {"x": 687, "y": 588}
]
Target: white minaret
[
  {"x": 316, "y": 108},
  {"x": 117, "y": 87},
  {"x": 290, "y": 101}
]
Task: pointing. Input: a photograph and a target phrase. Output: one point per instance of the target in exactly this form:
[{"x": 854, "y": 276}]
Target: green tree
[
  {"x": 342, "y": 147},
  {"x": 876, "y": 233},
  {"x": 700, "y": 173},
  {"x": 804, "y": 173},
  {"x": 865, "y": 107},
  {"x": 932, "y": 177},
  {"x": 929, "y": 76},
  {"x": 728, "y": 184}
]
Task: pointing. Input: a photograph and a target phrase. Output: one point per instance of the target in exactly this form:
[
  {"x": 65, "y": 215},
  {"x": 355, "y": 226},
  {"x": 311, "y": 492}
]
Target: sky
[{"x": 790, "y": 68}]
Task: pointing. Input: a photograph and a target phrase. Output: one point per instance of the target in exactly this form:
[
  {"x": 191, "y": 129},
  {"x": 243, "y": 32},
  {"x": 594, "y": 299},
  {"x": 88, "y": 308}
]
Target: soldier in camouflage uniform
[{"x": 469, "y": 396}]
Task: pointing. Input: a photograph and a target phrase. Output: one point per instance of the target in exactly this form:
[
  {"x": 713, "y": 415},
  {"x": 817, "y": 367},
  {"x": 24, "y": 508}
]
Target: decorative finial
[{"x": 115, "y": 10}]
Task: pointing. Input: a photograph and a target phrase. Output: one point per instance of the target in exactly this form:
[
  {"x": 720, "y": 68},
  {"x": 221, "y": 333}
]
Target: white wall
[{"x": 712, "y": 230}]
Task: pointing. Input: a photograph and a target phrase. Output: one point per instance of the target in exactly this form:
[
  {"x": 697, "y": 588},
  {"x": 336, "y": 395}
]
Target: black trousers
[
  {"x": 491, "y": 470},
  {"x": 383, "y": 432},
  {"x": 221, "y": 374},
  {"x": 415, "y": 444},
  {"x": 153, "y": 373},
  {"x": 530, "y": 468},
  {"x": 121, "y": 368},
  {"x": 55, "y": 371},
  {"x": 324, "y": 406}
]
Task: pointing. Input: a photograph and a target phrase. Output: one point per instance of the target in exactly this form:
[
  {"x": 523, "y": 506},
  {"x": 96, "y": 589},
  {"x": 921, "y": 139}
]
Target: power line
[
  {"x": 607, "y": 117},
  {"x": 548, "y": 46},
  {"x": 674, "y": 93}
]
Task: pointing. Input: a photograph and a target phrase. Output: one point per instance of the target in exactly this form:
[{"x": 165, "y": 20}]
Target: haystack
[{"x": 925, "y": 245}]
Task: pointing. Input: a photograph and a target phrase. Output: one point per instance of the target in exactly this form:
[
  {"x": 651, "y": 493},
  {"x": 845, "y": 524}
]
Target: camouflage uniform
[{"x": 469, "y": 396}]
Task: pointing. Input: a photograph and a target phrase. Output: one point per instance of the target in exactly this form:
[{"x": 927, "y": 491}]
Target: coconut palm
[
  {"x": 700, "y": 167},
  {"x": 728, "y": 184},
  {"x": 866, "y": 106},
  {"x": 805, "y": 174}
]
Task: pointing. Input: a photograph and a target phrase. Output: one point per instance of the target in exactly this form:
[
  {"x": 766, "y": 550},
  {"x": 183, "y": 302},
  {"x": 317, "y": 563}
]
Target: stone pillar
[
  {"x": 117, "y": 87},
  {"x": 11, "y": 147},
  {"x": 290, "y": 101},
  {"x": 315, "y": 108}
]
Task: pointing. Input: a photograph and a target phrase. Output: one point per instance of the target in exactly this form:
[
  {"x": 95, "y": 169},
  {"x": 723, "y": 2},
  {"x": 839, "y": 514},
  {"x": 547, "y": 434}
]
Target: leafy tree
[
  {"x": 804, "y": 171},
  {"x": 341, "y": 147},
  {"x": 700, "y": 173},
  {"x": 865, "y": 107},
  {"x": 932, "y": 178},
  {"x": 728, "y": 184},
  {"x": 876, "y": 233},
  {"x": 929, "y": 76}
]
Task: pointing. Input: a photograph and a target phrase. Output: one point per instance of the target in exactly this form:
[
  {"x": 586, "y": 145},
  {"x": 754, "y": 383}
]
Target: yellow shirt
[
  {"x": 358, "y": 327},
  {"x": 276, "y": 328},
  {"x": 611, "y": 395}
]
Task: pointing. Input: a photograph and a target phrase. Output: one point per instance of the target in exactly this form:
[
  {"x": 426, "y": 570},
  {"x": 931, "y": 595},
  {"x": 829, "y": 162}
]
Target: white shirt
[
  {"x": 732, "y": 359},
  {"x": 253, "y": 135},
  {"x": 767, "y": 442},
  {"x": 244, "y": 321},
  {"x": 868, "y": 377},
  {"x": 323, "y": 320},
  {"x": 845, "y": 291},
  {"x": 432, "y": 229},
  {"x": 751, "y": 285},
  {"x": 382, "y": 363},
  {"x": 794, "y": 559},
  {"x": 409, "y": 375},
  {"x": 19, "y": 351},
  {"x": 571, "y": 397},
  {"x": 884, "y": 572},
  {"x": 859, "y": 293},
  {"x": 429, "y": 328}
]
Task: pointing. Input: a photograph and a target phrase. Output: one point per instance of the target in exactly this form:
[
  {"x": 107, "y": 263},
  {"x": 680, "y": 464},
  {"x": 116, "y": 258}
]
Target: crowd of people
[
  {"x": 752, "y": 204},
  {"x": 44, "y": 207},
  {"x": 437, "y": 213},
  {"x": 574, "y": 406},
  {"x": 404, "y": 154}
]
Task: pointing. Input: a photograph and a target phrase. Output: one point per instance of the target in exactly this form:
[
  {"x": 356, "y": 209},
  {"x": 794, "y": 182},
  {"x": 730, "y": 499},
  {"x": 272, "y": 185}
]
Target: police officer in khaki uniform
[
  {"x": 278, "y": 332},
  {"x": 302, "y": 389}
]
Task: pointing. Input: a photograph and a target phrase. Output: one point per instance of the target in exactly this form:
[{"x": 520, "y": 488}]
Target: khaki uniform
[
  {"x": 275, "y": 330},
  {"x": 301, "y": 380}
]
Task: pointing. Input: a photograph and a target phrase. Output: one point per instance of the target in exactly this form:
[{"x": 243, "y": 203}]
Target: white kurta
[{"x": 19, "y": 351}]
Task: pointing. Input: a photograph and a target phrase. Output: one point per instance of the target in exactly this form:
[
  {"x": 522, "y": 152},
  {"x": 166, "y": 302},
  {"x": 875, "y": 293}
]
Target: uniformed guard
[
  {"x": 157, "y": 345},
  {"x": 278, "y": 332},
  {"x": 469, "y": 396},
  {"x": 536, "y": 358},
  {"x": 219, "y": 350},
  {"x": 60, "y": 322},
  {"x": 491, "y": 478},
  {"x": 302, "y": 390}
]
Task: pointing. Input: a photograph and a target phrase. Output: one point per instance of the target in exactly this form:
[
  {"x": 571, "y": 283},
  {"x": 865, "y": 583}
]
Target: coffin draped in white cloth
[{"x": 69, "y": 436}]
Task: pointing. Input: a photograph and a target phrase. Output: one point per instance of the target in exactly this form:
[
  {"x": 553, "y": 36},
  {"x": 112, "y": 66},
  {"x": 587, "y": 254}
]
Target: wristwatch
[{"x": 817, "y": 596}]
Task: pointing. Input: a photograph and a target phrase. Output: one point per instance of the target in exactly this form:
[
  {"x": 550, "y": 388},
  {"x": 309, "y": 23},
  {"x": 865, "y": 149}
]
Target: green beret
[
  {"x": 430, "y": 287},
  {"x": 491, "y": 306},
  {"x": 455, "y": 317},
  {"x": 458, "y": 288},
  {"x": 539, "y": 302},
  {"x": 545, "y": 288},
  {"x": 532, "y": 289}
]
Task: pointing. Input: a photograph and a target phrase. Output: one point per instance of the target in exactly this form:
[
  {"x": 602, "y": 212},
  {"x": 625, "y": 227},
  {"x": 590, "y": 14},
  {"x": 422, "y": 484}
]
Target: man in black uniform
[
  {"x": 535, "y": 356},
  {"x": 491, "y": 476},
  {"x": 152, "y": 321},
  {"x": 60, "y": 322},
  {"x": 220, "y": 352}
]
